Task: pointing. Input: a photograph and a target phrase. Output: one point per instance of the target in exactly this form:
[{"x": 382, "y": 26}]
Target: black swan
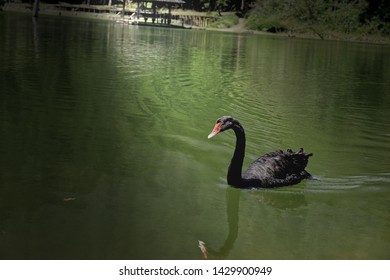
[{"x": 274, "y": 169}]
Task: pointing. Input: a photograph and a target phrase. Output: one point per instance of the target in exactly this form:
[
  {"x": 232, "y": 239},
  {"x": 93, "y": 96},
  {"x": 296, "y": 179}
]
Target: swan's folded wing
[{"x": 279, "y": 168}]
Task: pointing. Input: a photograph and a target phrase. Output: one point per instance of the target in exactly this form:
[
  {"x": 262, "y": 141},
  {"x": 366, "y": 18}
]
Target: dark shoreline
[{"x": 52, "y": 10}]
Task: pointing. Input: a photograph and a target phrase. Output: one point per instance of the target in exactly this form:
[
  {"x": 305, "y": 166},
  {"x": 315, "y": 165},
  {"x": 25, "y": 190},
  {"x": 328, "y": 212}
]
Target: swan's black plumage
[{"x": 274, "y": 169}]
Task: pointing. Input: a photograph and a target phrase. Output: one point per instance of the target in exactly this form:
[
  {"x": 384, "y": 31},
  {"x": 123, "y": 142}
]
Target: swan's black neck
[{"x": 234, "y": 177}]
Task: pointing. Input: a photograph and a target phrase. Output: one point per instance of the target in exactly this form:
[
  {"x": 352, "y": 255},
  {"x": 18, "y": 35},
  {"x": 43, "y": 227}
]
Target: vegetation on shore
[
  {"x": 226, "y": 21},
  {"x": 361, "y": 20},
  {"x": 357, "y": 20},
  {"x": 325, "y": 18}
]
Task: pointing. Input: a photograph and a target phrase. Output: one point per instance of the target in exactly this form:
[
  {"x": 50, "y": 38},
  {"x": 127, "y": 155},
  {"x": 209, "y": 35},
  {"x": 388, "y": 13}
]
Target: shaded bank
[
  {"x": 227, "y": 22},
  {"x": 366, "y": 20}
]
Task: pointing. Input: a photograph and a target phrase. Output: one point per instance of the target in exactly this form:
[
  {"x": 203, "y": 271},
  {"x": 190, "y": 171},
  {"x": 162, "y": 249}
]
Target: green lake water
[{"x": 104, "y": 151}]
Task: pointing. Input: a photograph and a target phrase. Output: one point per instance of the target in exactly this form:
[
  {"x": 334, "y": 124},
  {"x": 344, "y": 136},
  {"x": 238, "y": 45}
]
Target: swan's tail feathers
[
  {"x": 301, "y": 151},
  {"x": 299, "y": 159}
]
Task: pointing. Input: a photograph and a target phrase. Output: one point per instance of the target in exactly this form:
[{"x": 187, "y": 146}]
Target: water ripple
[{"x": 369, "y": 183}]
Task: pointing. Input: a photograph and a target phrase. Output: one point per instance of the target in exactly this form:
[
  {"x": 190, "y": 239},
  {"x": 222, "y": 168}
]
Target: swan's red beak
[{"x": 216, "y": 130}]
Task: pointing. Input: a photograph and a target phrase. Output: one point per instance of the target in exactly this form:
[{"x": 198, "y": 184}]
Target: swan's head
[{"x": 222, "y": 124}]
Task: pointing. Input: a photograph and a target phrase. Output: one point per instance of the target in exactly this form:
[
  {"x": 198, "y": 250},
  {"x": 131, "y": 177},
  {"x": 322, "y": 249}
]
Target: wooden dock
[{"x": 140, "y": 17}]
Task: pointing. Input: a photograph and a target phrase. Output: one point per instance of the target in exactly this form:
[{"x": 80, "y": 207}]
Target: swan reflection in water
[
  {"x": 232, "y": 209},
  {"x": 233, "y": 195}
]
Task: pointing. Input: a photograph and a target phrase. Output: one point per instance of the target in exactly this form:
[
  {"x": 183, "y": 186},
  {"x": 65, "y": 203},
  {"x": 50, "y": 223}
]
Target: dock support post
[
  {"x": 124, "y": 8},
  {"x": 154, "y": 12},
  {"x": 169, "y": 13},
  {"x": 35, "y": 10}
]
